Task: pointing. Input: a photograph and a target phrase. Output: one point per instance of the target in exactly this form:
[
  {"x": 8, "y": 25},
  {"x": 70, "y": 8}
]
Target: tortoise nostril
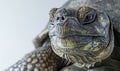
[
  {"x": 62, "y": 18},
  {"x": 57, "y": 18}
]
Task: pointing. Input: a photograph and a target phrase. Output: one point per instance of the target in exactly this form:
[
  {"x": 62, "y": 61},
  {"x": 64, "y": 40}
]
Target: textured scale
[{"x": 41, "y": 59}]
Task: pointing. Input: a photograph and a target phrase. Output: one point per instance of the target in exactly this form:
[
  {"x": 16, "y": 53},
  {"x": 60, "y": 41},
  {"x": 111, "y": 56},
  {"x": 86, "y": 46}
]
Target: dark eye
[{"x": 90, "y": 18}]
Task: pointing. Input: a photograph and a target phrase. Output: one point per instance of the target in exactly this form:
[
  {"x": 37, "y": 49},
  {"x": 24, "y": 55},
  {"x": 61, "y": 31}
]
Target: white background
[{"x": 20, "y": 22}]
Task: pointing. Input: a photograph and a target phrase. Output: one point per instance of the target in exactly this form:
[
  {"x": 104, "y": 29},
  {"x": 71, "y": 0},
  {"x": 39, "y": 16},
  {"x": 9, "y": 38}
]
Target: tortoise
[{"x": 82, "y": 35}]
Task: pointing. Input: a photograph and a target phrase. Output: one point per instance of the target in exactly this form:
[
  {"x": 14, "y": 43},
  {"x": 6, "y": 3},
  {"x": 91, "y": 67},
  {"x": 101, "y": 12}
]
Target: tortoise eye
[
  {"x": 90, "y": 17},
  {"x": 86, "y": 15}
]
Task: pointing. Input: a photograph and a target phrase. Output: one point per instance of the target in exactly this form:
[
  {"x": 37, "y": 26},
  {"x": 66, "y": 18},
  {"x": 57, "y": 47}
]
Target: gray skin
[{"x": 82, "y": 35}]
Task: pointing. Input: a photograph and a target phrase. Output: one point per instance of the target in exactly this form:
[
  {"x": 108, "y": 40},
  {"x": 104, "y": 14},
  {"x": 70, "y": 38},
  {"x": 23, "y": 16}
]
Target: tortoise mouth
[
  {"x": 77, "y": 41},
  {"x": 73, "y": 41}
]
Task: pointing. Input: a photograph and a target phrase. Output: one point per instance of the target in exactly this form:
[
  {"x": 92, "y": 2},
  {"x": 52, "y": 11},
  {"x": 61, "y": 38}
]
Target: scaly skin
[{"x": 41, "y": 59}]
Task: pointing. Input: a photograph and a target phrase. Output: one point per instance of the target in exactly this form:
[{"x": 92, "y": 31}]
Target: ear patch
[{"x": 52, "y": 12}]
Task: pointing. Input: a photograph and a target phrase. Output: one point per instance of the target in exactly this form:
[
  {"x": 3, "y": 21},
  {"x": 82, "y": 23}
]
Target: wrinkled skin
[
  {"x": 81, "y": 36},
  {"x": 84, "y": 35}
]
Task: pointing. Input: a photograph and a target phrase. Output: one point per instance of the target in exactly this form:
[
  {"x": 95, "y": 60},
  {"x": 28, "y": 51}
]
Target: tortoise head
[{"x": 79, "y": 35}]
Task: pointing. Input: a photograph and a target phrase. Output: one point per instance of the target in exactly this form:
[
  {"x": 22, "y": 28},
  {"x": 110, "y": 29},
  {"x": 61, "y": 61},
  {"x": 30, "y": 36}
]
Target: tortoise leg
[
  {"x": 41, "y": 59},
  {"x": 38, "y": 60}
]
